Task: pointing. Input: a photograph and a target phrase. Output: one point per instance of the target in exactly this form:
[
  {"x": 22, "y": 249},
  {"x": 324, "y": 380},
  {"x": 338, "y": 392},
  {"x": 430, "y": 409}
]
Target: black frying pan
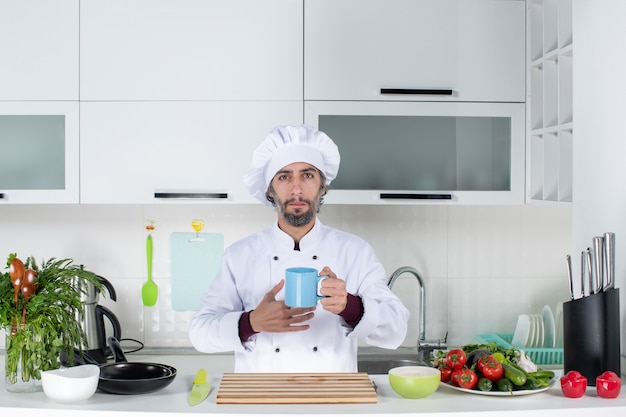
[{"x": 123, "y": 377}]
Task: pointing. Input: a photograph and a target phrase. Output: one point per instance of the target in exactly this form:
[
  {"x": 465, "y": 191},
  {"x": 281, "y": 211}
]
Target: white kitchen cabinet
[
  {"x": 39, "y": 50},
  {"x": 164, "y": 152},
  {"x": 191, "y": 50},
  {"x": 424, "y": 153},
  {"x": 549, "y": 103},
  {"x": 39, "y": 152},
  {"x": 355, "y": 48}
]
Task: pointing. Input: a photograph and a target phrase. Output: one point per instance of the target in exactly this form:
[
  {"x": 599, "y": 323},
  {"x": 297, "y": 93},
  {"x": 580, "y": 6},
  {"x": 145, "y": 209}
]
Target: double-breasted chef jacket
[{"x": 253, "y": 265}]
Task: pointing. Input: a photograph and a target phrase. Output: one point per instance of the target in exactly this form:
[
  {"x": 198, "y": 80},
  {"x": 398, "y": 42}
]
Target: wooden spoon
[
  {"x": 16, "y": 272},
  {"x": 29, "y": 287}
]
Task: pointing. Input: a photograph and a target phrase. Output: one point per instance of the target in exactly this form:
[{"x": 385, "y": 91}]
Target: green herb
[{"x": 53, "y": 317}]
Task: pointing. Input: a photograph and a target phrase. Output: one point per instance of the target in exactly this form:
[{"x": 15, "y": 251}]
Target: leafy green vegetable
[{"x": 53, "y": 317}]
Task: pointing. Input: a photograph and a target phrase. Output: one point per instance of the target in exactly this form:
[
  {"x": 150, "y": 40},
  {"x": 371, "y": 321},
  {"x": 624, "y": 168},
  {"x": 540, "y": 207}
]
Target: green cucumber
[
  {"x": 484, "y": 384},
  {"x": 504, "y": 385},
  {"x": 542, "y": 374},
  {"x": 513, "y": 374}
]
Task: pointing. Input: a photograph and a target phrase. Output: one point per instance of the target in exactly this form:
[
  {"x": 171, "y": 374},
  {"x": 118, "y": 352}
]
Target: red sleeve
[
  {"x": 354, "y": 310},
  {"x": 245, "y": 328}
]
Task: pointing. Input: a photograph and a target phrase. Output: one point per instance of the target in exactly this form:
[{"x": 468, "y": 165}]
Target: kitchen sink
[{"x": 380, "y": 361}]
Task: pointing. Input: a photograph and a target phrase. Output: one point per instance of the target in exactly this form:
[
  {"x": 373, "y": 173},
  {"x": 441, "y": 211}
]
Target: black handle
[
  {"x": 101, "y": 313},
  {"x": 190, "y": 195},
  {"x": 415, "y": 196},
  {"x": 1, "y": 195},
  {"x": 416, "y": 91}
]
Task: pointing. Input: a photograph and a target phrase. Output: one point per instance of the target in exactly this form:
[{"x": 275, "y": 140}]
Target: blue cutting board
[{"x": 195, "y": 260}]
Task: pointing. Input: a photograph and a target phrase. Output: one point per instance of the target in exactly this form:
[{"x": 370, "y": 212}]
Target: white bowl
[{"x": 70, "y": 385}]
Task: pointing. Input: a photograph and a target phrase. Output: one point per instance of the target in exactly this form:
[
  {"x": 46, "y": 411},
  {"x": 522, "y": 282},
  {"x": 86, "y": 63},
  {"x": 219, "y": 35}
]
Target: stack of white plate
[{"x": 535, "y": 330}]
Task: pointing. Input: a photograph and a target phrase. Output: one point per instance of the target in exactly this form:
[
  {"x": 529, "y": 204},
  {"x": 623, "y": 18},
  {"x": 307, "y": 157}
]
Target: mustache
[{"x": 298, "y": 200}]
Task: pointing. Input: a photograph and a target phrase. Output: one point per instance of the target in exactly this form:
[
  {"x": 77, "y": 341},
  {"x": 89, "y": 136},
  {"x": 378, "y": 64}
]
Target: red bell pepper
[
  {"x": 608, "y": 385},
  {"x": 573, "y": 384}
]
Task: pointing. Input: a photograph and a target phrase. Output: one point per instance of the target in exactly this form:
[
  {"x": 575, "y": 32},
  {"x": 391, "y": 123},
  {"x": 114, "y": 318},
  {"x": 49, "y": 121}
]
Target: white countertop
[{"x": 172, "y": 400}]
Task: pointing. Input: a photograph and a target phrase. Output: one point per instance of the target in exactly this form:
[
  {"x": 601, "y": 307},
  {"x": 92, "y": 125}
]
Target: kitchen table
[{"x": 172, "y": 400}]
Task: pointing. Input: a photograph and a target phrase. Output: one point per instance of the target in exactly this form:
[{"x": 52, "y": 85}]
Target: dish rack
[{"x": 540, "y": 356}]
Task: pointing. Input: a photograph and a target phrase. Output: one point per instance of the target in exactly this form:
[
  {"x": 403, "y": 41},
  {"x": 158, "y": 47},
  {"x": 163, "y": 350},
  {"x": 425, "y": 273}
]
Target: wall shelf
[{"x": 550, "y": 124}]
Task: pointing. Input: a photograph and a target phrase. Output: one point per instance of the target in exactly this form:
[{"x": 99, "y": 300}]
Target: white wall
[
  {"x": 482, "y": 265},
  {"x": 600, "y": 138}
]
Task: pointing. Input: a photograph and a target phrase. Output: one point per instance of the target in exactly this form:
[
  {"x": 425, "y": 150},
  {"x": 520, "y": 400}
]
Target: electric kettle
[{"x": 93, "y": 321}]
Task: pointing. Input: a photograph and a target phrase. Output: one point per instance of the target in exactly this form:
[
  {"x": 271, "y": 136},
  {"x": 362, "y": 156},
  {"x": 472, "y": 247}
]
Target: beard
[{"x": 300, "y": 217}]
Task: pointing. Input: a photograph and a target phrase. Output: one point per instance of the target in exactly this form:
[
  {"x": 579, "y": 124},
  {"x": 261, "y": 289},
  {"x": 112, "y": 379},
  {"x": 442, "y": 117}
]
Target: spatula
[{"x": 149, "y": 290}]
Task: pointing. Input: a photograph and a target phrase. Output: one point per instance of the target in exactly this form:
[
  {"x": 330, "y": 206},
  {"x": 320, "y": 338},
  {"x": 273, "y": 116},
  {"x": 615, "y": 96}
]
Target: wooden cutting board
[{"x": 296, "y": 388}]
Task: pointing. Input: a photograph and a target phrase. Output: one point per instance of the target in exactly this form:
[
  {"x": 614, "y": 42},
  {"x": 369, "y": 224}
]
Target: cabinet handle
[
  {"x": 1, "y": 196},
  {"x": 190, "y": 195},
  {"x": 415, "y": 196},
  {"x": 417, "y": 91}
]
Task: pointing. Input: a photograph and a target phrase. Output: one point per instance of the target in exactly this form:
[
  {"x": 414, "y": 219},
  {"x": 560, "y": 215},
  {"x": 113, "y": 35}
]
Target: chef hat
[{"x": 285, "y": 145}]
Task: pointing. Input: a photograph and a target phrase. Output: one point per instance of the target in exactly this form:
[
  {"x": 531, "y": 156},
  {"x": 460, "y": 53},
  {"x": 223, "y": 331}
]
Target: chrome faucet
[{"x": 425, "y": 347}]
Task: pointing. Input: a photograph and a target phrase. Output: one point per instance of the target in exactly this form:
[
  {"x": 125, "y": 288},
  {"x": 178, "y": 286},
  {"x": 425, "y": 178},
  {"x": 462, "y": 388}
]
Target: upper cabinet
[
  {"x": 443, "y": 50},
  {"x": 178, "y": 151},
  {"x": 550, "y": 121},
  {"x": 191, "y": 50},
  {"x": 39, "y": 157},
  {"x": 39, "y": 50}
]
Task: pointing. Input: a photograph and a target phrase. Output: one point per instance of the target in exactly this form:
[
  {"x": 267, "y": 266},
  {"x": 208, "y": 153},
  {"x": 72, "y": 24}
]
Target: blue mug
[{"x": 302, "y": 287}]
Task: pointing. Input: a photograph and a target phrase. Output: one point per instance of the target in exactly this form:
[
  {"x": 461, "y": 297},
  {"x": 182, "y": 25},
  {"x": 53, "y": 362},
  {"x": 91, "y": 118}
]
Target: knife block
[{"x": 591, "y": 335}]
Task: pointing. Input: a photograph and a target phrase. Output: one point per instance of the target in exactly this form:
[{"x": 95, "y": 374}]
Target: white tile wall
[{"x": 482, "y": 265}]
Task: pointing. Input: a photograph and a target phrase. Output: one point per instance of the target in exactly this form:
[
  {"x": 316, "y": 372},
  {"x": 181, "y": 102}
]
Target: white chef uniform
[{"x": 255, "y": 264}]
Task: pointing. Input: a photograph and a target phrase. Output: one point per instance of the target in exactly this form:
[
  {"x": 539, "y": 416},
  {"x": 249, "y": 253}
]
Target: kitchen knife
[
  {"x": 609, "y": 264},
  {"x": 583, "y": 269},
  {"x": 591, "y": 287},
  {"x": 598, "y": 263},
  {"x": 200, "y": 389},
  {"x": 570, "y": 277}
]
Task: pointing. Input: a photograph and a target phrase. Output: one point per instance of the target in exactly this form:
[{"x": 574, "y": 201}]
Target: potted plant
[{"x": 40, "y": 312}]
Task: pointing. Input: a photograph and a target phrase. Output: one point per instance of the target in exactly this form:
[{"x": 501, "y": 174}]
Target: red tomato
[
  {"x": 446, "y": 373},
  {"x": 456, "y": 359},
  {"x": 465, "y": 378},
  {"x": 573, "y": 384},
  {"x": 490, "y": 368},
  {"x": 608, "y": 385}
]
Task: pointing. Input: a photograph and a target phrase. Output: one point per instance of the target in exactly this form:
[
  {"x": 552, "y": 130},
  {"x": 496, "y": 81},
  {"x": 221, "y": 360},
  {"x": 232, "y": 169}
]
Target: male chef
[{"x": 244, "y": 310}]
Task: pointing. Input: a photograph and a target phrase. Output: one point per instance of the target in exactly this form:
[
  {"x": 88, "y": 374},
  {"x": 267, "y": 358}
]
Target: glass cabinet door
[
  {"x": 39, "y": 152},
  {"x": 397, "y": 152}
]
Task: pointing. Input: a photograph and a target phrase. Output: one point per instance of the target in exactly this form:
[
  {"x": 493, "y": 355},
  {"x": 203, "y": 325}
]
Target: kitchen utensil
[
  {"x": 570, "y": 277},
  {"x": 414, "y": 381},
  {"x": 583, "y": 273},
  {"x": 70, "y": 385},
  {"x": 296, "y": 388},
  {"x": 16, "y": 273},
  {"x": 28, "y": 288},
  {"x": 598, "y": 263},
  {"x": 609, "y": 255},
  {"x": 590, "y": 275},
  {"x": 200, "y": 389},
  {"x": 195, "y": 260},
  {"x": 149, "y": 290},
  {"x": 123, "y": 377},
  {"x": 94, "y": 324}
]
